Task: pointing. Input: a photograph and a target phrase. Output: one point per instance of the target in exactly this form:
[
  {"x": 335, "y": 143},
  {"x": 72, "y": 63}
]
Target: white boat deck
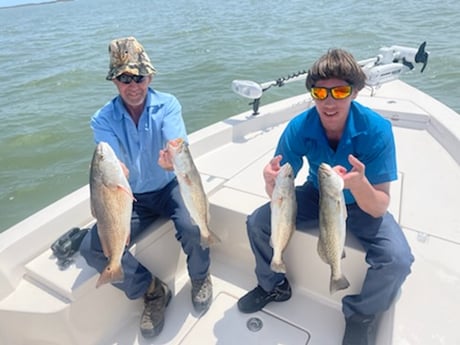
[{"x": 63, "y": 307}]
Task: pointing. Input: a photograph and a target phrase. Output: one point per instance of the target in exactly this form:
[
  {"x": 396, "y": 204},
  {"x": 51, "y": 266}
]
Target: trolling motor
[
  {"x": 388, "y": 65},
  {"x": 392, "y": 62},
  {"x": 67, "y": 245}
]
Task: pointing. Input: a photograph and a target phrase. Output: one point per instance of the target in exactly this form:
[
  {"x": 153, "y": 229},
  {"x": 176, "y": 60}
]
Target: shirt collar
[{"x": 313, "y": 124}]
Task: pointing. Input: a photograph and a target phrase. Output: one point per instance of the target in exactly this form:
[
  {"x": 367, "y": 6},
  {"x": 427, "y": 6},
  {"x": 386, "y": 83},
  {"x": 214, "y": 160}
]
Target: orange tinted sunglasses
[{"x": 337, "y": 92}]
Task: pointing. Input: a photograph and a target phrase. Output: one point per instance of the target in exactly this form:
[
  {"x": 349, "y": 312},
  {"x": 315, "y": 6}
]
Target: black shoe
[
  {"x": 258, "y": 298},
  {"x": 156, "y": 299},
  {"x": 360, "y": 330},
  {"x": 201, "y": 294}
]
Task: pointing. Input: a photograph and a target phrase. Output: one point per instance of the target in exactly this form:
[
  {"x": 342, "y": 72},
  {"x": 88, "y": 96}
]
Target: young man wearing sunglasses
[
  {"x": 137, "y": 124},
  {"x": 359, "y": 144}
]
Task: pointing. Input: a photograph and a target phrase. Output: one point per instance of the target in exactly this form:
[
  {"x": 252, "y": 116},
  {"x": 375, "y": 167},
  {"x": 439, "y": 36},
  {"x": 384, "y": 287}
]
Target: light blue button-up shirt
[
  {"x": 367, "y": 136},
  {"x": 138, "y": 147}
]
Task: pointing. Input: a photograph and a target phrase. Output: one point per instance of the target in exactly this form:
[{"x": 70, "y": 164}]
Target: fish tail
[
  {"x": 278, "y": 266},
  {"x": 210, "y": 240},
  {"x": 111, "y": 274},
  {"x": 338, "y": 284}
]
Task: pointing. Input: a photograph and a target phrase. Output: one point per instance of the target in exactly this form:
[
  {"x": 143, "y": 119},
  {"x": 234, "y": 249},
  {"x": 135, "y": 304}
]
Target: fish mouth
[
  {"x": 101, "y": 148},
  {"x": 287, "y": 171},
  {"x": 325, "y": 169}
]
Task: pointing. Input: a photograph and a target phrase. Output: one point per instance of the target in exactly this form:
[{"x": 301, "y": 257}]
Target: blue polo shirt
[
  {"x": 367, "y": 135},
  {"x": 138, "y": 147}
]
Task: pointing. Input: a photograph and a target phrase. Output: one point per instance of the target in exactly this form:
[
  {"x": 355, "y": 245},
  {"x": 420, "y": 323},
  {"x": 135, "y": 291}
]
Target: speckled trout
[
  {"x": 332, "y": 225},
  {"x": 283, "y": 213},
  {"x": 191, "y": 189},
  {"x": 111, "y": 205}
]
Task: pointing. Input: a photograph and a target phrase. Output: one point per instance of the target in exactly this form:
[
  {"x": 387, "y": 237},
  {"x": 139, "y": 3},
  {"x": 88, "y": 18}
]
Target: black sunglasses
[{"x": 127, "y": 79}]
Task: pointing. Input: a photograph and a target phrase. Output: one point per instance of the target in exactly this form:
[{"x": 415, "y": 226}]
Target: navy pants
[
  {"x": 168, "y": 203},
  {"x": 387, "y": 251}
]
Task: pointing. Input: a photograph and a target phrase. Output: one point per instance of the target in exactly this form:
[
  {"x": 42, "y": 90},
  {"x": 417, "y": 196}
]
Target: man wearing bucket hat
[{"x": 137, "y": 123}]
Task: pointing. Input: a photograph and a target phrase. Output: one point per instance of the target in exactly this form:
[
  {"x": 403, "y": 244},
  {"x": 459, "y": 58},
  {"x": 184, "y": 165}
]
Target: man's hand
[
  {"x": 270, "y": 172},
  {"x": 165, "y": 160},
  {"x": 355, "y": 177},
  {"x": 373, "y": 199}
]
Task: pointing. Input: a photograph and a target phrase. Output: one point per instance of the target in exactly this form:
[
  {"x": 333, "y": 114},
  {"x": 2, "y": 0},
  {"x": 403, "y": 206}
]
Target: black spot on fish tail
[{"x": 111, "y": 275}]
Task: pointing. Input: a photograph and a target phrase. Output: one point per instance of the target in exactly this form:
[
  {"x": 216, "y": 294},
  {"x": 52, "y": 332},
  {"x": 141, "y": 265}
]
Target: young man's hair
[{"x": 339, "y": 64}]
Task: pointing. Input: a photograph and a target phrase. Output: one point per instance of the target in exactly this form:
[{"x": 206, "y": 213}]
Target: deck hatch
[{"x": 223, "y": 324}]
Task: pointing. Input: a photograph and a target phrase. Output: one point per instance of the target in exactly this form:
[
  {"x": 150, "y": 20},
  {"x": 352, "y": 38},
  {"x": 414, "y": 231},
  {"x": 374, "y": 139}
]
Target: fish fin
[
  {"x": 208, "y": 214},
  {"x": 277, "y": 201},
  {"x": 210, "y": 240},
  {"x": 344, "y": 208},
  {"x": 187, "y": 179},
  {"x": 127, "y": 191},
  {"x": 278, "y": 267},
  {"x": 93, "y": 213},
  {"x": 111, "y": 275},
  {"x": 338, "y": 284}
]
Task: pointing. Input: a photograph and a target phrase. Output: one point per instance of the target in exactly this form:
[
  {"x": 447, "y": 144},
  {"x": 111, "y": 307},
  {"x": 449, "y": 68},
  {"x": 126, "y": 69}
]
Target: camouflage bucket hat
[{"x": 128, "y": 55}]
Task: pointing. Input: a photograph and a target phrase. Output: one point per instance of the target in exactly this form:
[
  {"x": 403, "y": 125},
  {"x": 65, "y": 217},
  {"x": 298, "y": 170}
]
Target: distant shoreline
[{"x": 44, "y": 2}]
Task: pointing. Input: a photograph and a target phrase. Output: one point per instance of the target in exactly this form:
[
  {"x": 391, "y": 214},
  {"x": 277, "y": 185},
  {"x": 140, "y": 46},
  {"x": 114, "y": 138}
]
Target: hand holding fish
[
  {"x": 165, "y": 160},
  {"x": 111, "y": 204},
  {"x": 191, "y": 188},
  {"x": 270, "y": 172}
]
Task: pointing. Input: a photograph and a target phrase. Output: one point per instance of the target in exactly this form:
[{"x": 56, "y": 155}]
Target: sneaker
[
  {"x": 360, "y": 330},
  {"x": 258, "y": 298},
  {"x": 202, "y": 294},
  {"x": 156, "y": 299}
]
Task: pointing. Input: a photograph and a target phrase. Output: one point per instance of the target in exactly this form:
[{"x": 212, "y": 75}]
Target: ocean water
[{"x": 53, "y": 62}]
